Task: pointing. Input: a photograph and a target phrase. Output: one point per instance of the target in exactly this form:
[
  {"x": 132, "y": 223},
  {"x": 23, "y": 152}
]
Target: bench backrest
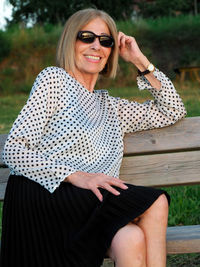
[{"x": 159, "y": 157}]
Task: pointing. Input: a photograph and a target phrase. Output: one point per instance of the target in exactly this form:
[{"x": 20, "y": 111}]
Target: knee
[
  {"x": 160, "y": 208},
  {"x": 128, "y": 239},
  {"x": 162, "y": 203}
]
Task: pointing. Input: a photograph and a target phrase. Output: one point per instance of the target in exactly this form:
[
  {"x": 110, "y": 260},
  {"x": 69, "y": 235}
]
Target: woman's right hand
[{"x": 94, "y": 180}]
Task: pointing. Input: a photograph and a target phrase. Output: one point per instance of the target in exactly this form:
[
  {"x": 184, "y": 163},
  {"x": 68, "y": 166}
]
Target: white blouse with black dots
[{"x": 64, "y": 128}]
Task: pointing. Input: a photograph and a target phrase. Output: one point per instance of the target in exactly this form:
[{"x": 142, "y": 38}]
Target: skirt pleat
[{"x": 67, "y": 228}]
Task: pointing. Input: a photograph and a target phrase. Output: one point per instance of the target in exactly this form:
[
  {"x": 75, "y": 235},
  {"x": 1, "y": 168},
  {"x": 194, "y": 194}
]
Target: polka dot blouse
[{"x": 64, "y": 128}]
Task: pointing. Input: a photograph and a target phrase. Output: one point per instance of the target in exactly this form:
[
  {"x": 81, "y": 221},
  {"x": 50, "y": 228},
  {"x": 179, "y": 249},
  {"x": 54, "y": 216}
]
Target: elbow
[
  {"x": 7, "y": 160},
  {"x": 8, "y": 155},
  {"x": 180, "y": 114}
]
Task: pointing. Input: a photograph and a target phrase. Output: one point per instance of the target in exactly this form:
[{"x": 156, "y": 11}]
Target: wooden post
[{"x": 195, "y": 8}]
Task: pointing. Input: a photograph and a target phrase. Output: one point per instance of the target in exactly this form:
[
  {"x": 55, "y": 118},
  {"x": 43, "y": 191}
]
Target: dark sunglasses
[{"x": 89, "y": 37}]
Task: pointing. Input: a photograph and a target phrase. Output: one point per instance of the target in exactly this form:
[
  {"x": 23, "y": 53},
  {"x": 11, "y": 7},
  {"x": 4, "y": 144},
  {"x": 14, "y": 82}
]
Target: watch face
[{"x": 151, "y": 67}]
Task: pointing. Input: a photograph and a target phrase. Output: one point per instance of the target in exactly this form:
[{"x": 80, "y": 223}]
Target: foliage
[
  {"x": 42, "y": 11},
  {"x": 5, "y": 45},
  {"x": 159, "y": 8},
  {"x": 167, "y": 42},
  {"x": 174, "y": 41}
]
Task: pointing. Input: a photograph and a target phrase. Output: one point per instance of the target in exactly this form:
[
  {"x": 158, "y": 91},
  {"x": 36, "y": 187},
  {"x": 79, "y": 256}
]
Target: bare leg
[
  {"x": 153, "y": 222},
  {"x": 128, "y": 248}
]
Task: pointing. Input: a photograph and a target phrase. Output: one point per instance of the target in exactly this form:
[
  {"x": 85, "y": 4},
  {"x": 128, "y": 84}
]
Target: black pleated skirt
[{"x": 67, "y": 228}]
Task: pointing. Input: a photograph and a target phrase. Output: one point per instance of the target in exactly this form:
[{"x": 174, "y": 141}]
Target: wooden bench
[
  {"x": 192, "y": 71},
  {"x": 161, "y": 157}
]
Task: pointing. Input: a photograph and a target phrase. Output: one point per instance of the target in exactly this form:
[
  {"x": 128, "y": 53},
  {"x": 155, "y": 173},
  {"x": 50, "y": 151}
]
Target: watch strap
[{"x": 140, "y": 73}]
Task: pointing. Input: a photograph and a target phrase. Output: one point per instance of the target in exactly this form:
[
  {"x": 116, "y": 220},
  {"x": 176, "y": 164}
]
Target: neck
[{"x": 88, "y": 80}]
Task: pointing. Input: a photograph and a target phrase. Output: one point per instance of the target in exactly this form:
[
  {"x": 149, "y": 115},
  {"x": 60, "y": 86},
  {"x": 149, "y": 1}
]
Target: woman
[{"x": 64, "y": 203}]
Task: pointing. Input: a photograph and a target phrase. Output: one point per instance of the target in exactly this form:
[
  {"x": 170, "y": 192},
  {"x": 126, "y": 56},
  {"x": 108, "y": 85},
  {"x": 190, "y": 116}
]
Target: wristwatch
[{"x": 150, "y": 68}]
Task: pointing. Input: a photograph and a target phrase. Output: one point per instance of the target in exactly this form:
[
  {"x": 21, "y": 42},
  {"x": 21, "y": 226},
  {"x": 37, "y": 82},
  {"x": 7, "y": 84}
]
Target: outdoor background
[{"x": 168, "y": 33}]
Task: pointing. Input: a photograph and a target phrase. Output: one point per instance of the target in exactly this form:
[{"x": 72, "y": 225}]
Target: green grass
[
  {"x": 185, "y": 204},
  {"x": 185, "y": 260},
  {"x": 10, "y": 106}
]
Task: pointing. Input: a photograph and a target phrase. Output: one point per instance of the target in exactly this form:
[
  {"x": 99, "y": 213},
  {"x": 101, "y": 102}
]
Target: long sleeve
[
  {"x": 26, "y": 134},
  {"x": 166, "y": 108}
]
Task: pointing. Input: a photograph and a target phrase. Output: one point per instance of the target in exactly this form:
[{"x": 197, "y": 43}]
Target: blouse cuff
[
  {"x": 143, "y": 83},
  {"x": 61, "y": 173}
]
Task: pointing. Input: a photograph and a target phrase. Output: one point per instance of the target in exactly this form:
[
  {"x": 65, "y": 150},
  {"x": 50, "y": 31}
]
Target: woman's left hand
[{"x": 129, "y": 49}]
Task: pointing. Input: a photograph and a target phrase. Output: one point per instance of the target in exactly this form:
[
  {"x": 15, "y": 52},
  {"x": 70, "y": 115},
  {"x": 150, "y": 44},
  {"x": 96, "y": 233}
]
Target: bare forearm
[{"x": 141, "y": 63}]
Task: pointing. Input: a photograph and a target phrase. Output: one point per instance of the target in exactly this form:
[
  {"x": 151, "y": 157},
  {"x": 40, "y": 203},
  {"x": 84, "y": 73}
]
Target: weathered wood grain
[
  {"x": 2, "y": 191},
  {"x": 162, "y": 169},
  {"x": 108, "y": 263},
  {"x": 4, "y": 174},
  {"x": 183, "y": 239},
  {"x": 155, "y": 170},
  {"x": 184, "y": 135},
  {"x": 2, "y": 142}
]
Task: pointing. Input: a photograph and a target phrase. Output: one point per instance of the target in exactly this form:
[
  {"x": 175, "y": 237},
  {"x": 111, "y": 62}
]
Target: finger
[
  {"x": 122, "y": 185},
  {"x": 118, "y": 183},
  {"x": 111, "y": 189},
  {"x": 97, "y": 193},
  {"x": 123, "y": 181},
  {"x": 108, "y": 178},
  {"x": 120, "y": 34},
  {"x": 114, "y": 179},
  {"x": 122, "y": 41},
  {"x": 129, "y": 40}
]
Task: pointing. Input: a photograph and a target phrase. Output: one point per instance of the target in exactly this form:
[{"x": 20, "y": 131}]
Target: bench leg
[{"x": 196, "y": 75}]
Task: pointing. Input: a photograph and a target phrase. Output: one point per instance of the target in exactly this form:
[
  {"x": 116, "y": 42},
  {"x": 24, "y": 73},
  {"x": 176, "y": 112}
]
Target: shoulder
[
  {"x": 57, "y": 75},
  {"x": 52, "y": 72},
  {"x": 50, "y": 76},
  {"x": 49, "y": 79}
]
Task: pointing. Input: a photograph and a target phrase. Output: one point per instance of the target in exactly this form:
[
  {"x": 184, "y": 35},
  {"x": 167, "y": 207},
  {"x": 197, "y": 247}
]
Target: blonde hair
[{"x": 65, "y": 56}]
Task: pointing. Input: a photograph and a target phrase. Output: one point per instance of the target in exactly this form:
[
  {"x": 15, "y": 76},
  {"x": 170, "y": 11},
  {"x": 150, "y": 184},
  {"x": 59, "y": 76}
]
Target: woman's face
[{"x": 91, "y": 58}]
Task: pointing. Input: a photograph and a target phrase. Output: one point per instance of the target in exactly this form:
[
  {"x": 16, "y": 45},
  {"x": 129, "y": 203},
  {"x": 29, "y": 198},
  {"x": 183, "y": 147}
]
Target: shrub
[
  {"x": 5, "y": 45},
  {"x": 168, "y": 42}
]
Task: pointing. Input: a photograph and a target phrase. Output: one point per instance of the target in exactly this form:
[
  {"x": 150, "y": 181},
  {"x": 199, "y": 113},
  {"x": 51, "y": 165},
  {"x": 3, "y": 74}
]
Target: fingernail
[
  {"x": 118, "y": 193},
  {"x": 125, "y": 186}
]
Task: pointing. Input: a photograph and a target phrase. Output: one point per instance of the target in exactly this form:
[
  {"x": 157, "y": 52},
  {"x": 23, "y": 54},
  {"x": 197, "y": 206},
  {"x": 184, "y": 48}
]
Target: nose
[{"x": 96, "y": 44}]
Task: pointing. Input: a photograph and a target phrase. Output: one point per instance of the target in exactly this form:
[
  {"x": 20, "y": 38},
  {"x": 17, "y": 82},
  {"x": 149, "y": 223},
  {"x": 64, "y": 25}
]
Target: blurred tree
[
  {"x": 159, "y": 8},
  {"x": 47, "y": 11}
]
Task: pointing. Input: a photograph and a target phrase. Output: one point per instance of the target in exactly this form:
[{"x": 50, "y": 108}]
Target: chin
[{"x": 92, "y": 71}]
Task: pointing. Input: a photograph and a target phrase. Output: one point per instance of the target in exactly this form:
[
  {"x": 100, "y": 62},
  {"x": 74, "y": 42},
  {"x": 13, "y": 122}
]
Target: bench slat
[
  {"x": 4, "y": 174},
  {"x": 184, "y": 135},
  {"x": 2, "y": 142},
  {"x": 2, "y": 191},
  {"x": 181, "y": 168},
  {"x": 183, "y": 239},
  {"x": 168, "y": 169}
]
